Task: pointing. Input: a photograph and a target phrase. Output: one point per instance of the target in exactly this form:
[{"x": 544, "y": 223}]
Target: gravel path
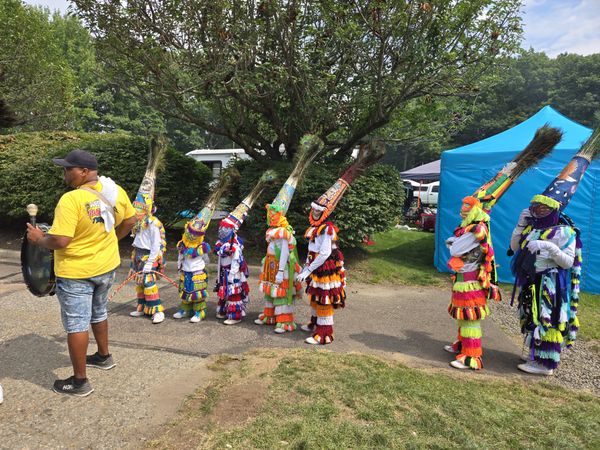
[{"x": 579, "y": 367}]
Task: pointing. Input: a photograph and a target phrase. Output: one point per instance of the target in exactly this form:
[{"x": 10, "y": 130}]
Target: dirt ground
[{"x": 159, "y": 366}]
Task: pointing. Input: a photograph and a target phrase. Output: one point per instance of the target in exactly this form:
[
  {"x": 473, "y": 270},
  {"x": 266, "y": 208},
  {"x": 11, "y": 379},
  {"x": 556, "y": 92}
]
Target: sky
[{"x": 551, "y": 26}]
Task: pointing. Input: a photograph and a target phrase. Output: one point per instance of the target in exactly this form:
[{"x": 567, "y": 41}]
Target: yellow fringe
[
  {"x": 554, "y": 204},
  {"x": 466, "y": 286},
  {"x": 553, "y": 335}
]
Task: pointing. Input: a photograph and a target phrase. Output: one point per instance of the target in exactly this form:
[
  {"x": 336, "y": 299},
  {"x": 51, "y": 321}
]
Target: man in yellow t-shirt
[{"x": 88, "y": 222}]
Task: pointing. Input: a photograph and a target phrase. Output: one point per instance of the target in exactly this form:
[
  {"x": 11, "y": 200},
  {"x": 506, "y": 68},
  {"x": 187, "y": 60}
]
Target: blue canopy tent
[{"x": 464, "y": 169}]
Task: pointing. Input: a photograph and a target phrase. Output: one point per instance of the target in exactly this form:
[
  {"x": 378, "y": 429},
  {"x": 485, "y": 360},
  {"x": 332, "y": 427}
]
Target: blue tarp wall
[{"x": 465, "y": 169}]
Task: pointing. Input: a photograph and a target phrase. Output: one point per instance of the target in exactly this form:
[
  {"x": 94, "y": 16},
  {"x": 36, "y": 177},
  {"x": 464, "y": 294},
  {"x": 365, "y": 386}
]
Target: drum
[{"x": 37, "y": 265}]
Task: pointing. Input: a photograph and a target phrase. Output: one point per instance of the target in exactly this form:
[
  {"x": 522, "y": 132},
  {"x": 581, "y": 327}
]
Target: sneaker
[
  {"x": 450, "y": 349},
  {"x": 182, "y": 313},
  {"x": 308, "y": 328},
  {"x": 136, "y": 313},
  {"x": 535, "y": 368},
  {"x": 100, "y": 362},
  {"x": 198, "y": 316},
  {"x": 311, "y": 340},
  {"x": 259, "y": 322},
  {"x": 158, "y": 317},
  {"x": 1, "y": 395},
  {"x": 458, "y": 365},
  {"x": 231, "y": 321},
  {"x": 221, "y": 316},
  {"x": 69, "y": 387},
  {"x": 279, "y": 330}
]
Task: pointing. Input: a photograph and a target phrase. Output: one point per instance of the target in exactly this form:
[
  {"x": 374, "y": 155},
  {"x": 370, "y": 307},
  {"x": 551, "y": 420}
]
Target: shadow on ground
[
  {"x": 423, "y": 346},
  {"x": 33, "y": 358}
]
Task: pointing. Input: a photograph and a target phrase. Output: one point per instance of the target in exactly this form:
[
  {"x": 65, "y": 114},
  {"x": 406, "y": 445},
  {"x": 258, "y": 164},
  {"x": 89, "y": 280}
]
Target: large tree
[
  {"x": 35, "y": 78},
  {"x": 576, "y": 90},
  {"x": 263, "y": 73},
  {"x": 530, "y": 80}
]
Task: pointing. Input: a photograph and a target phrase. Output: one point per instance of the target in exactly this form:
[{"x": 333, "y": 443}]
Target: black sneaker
[
  {"x": 100, "y": 362},
  {"x": 71, "y": 387}
]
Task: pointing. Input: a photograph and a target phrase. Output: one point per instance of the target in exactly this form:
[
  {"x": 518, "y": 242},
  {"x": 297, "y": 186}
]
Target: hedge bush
[
  {"x": 27, "y": 174},
  {"x": 373, "y": 203}
]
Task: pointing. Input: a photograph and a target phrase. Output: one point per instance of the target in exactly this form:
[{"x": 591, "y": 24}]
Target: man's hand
[
  {"x": 125, "y": 227},
  {"x": 34, "y": 234},
  {"x": 49, "y": 241},
  {"x": 148, "y": 267}
]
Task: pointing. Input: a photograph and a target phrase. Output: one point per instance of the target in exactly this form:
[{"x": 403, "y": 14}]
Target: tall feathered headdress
[
  {"x": 144, "y": 199},
  {"x": 559, "y": 193},
  {"x": 310, "y": 146},
  {"x": 195, "y": 228},
  {"x": 368, "y": 154},
  {"x": 541, "y": 145},
  {"x": 236, "y": 217}
]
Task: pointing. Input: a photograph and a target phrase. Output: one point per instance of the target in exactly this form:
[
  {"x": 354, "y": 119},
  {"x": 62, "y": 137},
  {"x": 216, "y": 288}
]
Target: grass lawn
[
  {"x": 589, "y": 316},
  {"x": 317, "y": 399},
  {"x": 400, "y": 257}
]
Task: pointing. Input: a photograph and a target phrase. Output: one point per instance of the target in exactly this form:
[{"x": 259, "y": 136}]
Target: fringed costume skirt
[
  {"x": 146, "y": 290},
  {"x": 328, "y": 282},
  {"x": 273, "y": 290},
  {"x": 469, "y": 298},
  {"x": 233, "y": 296},
  {"x": 544, "y": 313},
  {"x": 192, "y": 290}
]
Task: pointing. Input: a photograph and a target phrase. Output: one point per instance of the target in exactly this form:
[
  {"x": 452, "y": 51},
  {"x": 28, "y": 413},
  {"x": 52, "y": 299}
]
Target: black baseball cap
[{"x": 77, "y": 158}]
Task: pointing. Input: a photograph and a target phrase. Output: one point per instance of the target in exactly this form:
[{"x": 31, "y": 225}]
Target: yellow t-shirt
[{"x": 92, "y": 251}]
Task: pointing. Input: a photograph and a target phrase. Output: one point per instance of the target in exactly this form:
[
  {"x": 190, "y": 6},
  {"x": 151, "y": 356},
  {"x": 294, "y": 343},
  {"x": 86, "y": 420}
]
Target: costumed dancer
[
  {"x": 193, "y": 256},
  {"x": 232, "y": 279},
  {"x": 547, "y": 267},
  {"x": 149, "y": 241},
  {"x": 472, "y": 254},
  {"x": 280, "y": 265},
  {"x": 324, "y": 268}
]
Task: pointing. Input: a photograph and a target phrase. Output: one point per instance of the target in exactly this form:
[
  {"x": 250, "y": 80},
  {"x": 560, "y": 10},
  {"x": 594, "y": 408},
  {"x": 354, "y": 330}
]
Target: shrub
[
  {"x": 372, "y": 203},
  {"x": 27, "y": 174}
]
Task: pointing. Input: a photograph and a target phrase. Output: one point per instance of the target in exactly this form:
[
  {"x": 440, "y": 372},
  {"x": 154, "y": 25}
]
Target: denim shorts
[{"x": 83, "y": 301}]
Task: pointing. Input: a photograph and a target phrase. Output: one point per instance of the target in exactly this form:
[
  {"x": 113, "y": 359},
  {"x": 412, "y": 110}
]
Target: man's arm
[
  {"x": 125, "y": 227},
  {"x": 49, "y": 241}
]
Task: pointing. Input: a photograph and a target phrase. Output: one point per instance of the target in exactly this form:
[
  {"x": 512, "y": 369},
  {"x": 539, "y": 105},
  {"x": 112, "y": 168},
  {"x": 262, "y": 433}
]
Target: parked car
[
  {"x": 427, "y": 193},
  {"x": 427, "y": 222}
]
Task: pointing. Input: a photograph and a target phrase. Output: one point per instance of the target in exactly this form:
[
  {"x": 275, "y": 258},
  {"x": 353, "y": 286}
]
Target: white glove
[
  {"x": 231, "y": 277},
  {"x": 538, "y": 246},
  {"x": 279, "y": 277},
  {"x": 147, "y": 267},
  {"x": 303, "y": 275},
  {"x": 523, "y": 218},
  {"x": 450, "y": 241}
]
